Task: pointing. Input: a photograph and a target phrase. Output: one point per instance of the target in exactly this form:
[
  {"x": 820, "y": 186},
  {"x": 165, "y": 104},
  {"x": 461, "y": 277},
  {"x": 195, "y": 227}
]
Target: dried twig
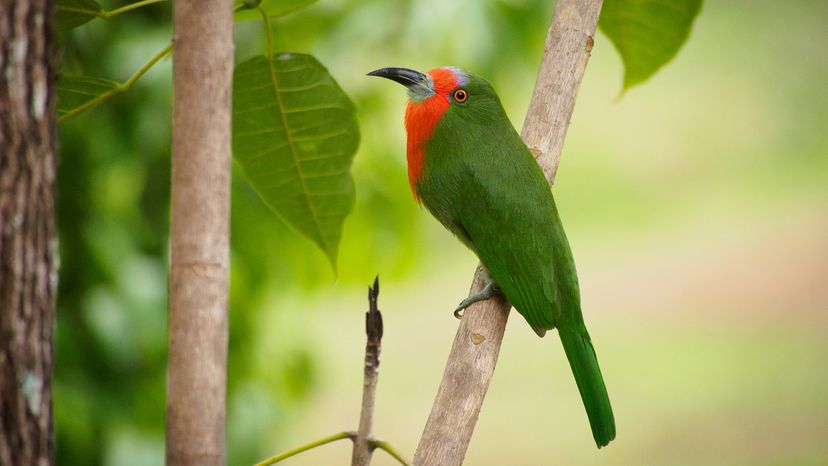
[
  {"x": 476, "y": 346},
  {"x": 364, "y": 443},
  {"x": 373, "y": 329}
]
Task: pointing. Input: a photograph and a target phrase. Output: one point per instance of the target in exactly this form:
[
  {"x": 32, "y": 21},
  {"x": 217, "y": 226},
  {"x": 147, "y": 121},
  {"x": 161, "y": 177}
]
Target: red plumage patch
[{"x": 422, "y": 117}]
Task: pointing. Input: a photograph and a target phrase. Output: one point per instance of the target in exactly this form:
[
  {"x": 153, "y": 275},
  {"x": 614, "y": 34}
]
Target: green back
[{"x": 481, "y": 182}]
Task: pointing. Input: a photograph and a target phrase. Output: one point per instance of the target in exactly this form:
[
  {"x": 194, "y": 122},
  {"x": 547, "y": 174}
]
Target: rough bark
[
  {"x": 28, "y": 277},
  {"x": 476, "y": 346},
  {"x": 202, "y": 85}
]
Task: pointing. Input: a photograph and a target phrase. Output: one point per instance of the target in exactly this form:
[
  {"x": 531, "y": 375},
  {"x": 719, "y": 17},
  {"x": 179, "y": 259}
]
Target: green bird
[{"x": 473, "y": 172}]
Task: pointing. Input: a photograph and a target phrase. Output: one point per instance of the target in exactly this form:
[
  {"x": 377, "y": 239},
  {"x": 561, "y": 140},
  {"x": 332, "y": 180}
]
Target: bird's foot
[{"x": 487, "y": 292}]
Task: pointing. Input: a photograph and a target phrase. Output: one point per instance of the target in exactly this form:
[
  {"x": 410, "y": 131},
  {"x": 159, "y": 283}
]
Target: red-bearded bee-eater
[{"x": 472, "y": 171}]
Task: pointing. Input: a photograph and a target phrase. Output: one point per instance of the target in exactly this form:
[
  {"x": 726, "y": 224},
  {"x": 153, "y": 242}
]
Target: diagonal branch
[
  {"x": 104, "y": 14},
  {"x": 306, "y": 447},
  {"x": 476, "y": 346},
  {"x": 120, "y": 88}
]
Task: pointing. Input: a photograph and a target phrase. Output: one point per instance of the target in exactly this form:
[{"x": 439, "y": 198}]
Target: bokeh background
[{"x": 696, "y": 205}]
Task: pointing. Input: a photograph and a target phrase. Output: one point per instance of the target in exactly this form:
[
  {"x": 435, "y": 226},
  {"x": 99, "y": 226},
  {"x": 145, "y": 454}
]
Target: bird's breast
[{"x": 420, "y": 120}]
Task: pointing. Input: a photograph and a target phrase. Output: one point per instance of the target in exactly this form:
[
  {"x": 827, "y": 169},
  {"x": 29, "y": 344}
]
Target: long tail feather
[{"x": 584, "y": 363}]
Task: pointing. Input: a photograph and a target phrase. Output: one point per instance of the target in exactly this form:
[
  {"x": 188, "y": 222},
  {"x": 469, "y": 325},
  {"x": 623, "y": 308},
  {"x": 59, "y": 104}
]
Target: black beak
[{"x": 417, "y": 82}]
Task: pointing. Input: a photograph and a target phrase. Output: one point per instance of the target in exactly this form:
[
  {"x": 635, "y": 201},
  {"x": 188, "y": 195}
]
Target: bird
[{"x": 471, "y": 170}]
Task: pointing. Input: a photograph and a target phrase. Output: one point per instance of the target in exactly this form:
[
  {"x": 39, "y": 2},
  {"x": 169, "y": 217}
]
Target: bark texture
[
  {"x": 28, "y": 277},
  {"x": 476, "y": 346},
  {"x": 202, "y": 87}
]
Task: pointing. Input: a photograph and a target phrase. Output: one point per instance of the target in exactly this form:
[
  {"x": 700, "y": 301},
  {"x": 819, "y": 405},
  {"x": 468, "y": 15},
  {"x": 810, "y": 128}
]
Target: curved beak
[{"x": 418, "y": 84}]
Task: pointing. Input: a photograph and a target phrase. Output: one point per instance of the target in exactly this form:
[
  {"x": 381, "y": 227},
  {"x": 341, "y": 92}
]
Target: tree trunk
[
  {"x": 202, "y": 85},
  {"x": 476, "y": 346},
  {"x": 28, "y": 244}
]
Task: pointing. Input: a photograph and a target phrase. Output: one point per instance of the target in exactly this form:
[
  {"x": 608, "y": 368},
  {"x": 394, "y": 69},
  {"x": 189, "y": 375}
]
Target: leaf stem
[
  {"x": 383, "y": 445},
  {"x": 163, "y": 53},
  {"x": 123, "y": 87},
  {"x": 246, "y": 5},
  {"x": 124, "y": 9},
  {"x": 268, "y": 30},
  {"x": 303, "y": 448},
  {"x": 108, "y": 14}
]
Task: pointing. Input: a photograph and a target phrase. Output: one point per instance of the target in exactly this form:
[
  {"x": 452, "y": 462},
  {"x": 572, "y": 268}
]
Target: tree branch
[
  {"x": 383, "y": 445},
  {"x": 28, "y": 239},
  {"x": 119, "y": 89},
  {"x": 373, "y": 329},
  {"x": 108, "y": 14},
  {"x": 364, "y": 443},
  {"x": 476, "y": 346},
  {"x": 199, "y": 232},
  {"x": 304, "y": 448}
]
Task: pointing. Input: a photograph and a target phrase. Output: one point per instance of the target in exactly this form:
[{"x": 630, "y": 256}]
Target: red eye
[{"x": 460, "y": 95}]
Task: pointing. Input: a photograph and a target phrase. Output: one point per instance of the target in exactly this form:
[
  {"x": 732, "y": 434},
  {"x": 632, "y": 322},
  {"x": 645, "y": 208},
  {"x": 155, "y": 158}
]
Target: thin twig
[
  {"x": 474, "y": 352},
  {"x": 383, "y": 445},
  {"x": 364, "y": 443},
  {"x": 119, "y": 89},
  {"x": 268, "y": 31},
  {"x": 108, "y": 14},
  {"x": 373, "y": 444},
  {"x": 373, "y": 328},
  {"x": 131, "y": 6},
  {"x": 306, "y": 447}
]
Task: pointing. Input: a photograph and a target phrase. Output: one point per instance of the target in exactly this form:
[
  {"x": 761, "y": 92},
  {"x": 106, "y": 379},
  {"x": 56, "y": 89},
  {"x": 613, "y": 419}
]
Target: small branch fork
[
  {"x": 127, "y": 85},
  {"x": 120, "y": 88},
  {"x": 364, "y": 442}
]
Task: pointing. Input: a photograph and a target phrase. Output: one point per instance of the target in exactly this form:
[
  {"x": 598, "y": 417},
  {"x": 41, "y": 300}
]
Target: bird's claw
[{"x": 487, "y": 292}]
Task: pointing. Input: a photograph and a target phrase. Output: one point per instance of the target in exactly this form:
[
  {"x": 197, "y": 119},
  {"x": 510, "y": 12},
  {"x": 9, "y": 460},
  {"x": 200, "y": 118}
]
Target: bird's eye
[{"x": 460, "y": 95}]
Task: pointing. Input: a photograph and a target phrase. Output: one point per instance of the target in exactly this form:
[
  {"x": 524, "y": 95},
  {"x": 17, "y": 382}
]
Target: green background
[{"x": 695, "y": 206}]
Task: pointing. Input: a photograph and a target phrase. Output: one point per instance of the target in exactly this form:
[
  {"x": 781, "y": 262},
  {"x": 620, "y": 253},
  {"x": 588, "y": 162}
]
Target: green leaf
[
  {"x": 72, "y": 13},
  {"x": 647, "y": 33},
  {"x": 76, "y": 91},
  {"x": 295, "y": 134},
  {"x": 274, "y": 8}
]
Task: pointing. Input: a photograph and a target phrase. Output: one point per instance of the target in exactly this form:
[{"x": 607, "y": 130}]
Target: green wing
[
  {"x": 482, "y": 183},
  {"x": 510, "y": 217}
]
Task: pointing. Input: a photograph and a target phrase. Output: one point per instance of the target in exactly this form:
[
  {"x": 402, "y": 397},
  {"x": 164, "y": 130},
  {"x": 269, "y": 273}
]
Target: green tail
[{"x": 581, "y": 356}]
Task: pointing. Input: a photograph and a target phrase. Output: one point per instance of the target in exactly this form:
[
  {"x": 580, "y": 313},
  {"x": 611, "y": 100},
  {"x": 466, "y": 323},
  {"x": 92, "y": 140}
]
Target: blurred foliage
[
  {"x": 73, "y": 13},
  {"x": 273, "y": 8},
  {"x": 76, "y": 91},
  {"x": 113, "y": 216},
  {"x": 298, "y": 157},
  {"x": 735, "y": 138}
]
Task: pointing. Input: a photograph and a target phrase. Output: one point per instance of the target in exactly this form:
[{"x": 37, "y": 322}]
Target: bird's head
[
  {"x": 442, "y": 93},
  {"x": 435, "y": 92}
]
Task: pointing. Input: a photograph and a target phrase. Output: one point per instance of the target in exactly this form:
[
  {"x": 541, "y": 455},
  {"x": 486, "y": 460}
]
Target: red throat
[{"x": 420, "y": 120}]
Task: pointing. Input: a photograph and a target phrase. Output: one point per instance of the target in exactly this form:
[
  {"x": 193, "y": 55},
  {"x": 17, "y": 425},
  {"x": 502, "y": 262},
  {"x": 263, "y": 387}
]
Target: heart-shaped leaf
[
  {"x": 72, "y": 13},
  {"x": 295, "y": 134},
  {"x": 274, "y": 8},
  {"x": 647, "y": 33},
  {"x": 75, "y": 91}
]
